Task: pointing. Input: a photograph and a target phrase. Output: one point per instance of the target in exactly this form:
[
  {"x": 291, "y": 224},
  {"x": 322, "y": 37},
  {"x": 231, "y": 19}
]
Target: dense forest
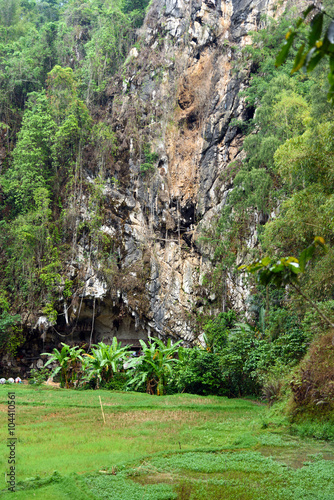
[{"x": 58, "y": 59}]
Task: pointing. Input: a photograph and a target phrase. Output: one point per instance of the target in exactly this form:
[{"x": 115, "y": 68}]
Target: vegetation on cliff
[{"x": 56, "y": 59}]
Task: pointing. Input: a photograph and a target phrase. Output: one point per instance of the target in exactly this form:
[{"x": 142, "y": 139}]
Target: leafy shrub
[
  {"x": 311, "y": 321},
  {"x": 117, "y": 383},
  {"x": 216, "y": 330},
  {"x": 271, "y": 390},
  {"x": 38, "y": 376},
  {"x": 249, "y": 360},
  {"x": 199, "y": 372},
  {"x": 69, "y": 361}
]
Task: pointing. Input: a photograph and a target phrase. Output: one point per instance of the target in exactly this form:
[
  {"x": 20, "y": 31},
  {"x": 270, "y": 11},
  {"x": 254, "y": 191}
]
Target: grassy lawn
[{"x": 158, "y": 448}]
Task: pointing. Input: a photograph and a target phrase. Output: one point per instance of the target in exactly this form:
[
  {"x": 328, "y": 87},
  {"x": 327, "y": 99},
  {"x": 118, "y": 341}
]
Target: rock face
[{"x": 177, "y": 97}]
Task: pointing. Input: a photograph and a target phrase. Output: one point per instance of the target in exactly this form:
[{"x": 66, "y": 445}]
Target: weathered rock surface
[{"x": 177, "y": 96}]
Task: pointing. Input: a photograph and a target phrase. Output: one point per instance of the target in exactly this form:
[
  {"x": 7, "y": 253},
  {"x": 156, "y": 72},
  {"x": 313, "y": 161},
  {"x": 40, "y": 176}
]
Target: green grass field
[{"x": 157, "y": 448}]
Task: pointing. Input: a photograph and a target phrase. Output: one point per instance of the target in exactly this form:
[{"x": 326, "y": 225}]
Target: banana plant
[
  {"x": 75, "y": 365},
  {"x": 69, "y": 361},
  {"x": 105, "y": 360},
  {"x": 155, "y": 366}
]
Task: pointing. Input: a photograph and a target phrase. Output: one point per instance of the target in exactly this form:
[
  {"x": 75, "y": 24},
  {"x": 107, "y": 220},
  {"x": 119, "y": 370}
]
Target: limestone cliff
[{"x": 171, "y": 108}]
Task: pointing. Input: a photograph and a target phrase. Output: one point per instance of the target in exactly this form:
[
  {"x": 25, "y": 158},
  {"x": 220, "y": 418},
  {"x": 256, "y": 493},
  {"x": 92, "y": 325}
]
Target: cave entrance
[{"x": 123, "y": 328}]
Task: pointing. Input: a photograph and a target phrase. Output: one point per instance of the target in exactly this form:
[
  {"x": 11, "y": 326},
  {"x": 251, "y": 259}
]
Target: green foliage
[
  {"x": 64, "y": 100},
  {"x": 67, "y": 290},
  {"x": 262, "y": 54},
  {"x": 282, "y": 113},
  {"x": 53, "y": 56},
  {"x": 285, "y": 270},
  {"x": 242, "y": 359},
  {"x": 109, "y": 33},
  {"x": 51, "y": 313},
  {"x": 239, "y": 360},
  {"x": 312, "y": 384},
  {"x": 10, "y": 335},
  {"x": 94, "y": 38},
  {"x": 216, "y": 330},
  {"x": 311, "y": 428},
  {"x": 252, "y": 189},
  {"x": 104, "y": 361},
  {"x": 285, "y": 179},
  {"x": 103, "y": 139},
  {"x": 14, "y": 336},
  {"x": 9, "y": 12},
  {"x": 311, "y": 323},
  {"x": 70, "y": 114},
  {"x": 138, "y": 6},
  {"x": 320, "y": 43},
  {"x": 199, "y": 372},
  {"x": 249, "y": 359},
  {"x": 32, "y": 165},
  {"x": 307, "y": 159},
  {"x": 117, "y": 383},
  {"x": 305, "y": 166},
  {"x": 154, "y": 368},
  {"x": 38, "y": 376},
  {"x": 69, "y": 360},
  {"x": 32, "y": 261},
  {"x": 54, "y": 126},
  {"x": 150, "y": 160}
]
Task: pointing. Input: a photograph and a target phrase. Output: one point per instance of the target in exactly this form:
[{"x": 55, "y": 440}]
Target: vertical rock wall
[{"x": 176, "y": 97}]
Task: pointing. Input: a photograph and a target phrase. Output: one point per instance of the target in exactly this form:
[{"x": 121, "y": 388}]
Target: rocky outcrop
[{"x": 171, "y": 109}]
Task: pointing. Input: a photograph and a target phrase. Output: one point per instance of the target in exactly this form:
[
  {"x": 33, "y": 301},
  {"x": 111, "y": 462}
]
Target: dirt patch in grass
[
  {"x": 296, "y": 458},
  {"x": 125, "y": 419},
  {"x": 159, "y": 477}
]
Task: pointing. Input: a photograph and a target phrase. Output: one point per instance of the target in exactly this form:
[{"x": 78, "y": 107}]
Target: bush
[
  {"x": 271, "y": 390},
  {"x": 313, "y": 385},
  {"x": 199, "y": 372},
  {"x": 38, "y": 376},
  {"x": 217, "y": 329},
  {"x": 117, "y": 383}
]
